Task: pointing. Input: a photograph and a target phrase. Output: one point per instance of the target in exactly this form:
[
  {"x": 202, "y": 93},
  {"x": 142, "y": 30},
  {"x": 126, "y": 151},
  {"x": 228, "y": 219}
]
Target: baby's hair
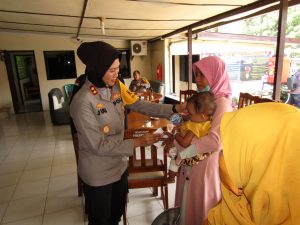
[{"x": 204, "y": 102}]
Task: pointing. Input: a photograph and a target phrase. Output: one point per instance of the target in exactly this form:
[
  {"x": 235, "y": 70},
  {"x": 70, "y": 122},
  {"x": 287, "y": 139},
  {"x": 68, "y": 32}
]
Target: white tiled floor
[{"x": 38, "y": 183}]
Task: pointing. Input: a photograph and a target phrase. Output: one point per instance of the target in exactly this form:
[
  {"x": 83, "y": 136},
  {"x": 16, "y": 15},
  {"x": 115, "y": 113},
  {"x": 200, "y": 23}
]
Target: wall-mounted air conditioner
[{"x": 139, "y": 47}]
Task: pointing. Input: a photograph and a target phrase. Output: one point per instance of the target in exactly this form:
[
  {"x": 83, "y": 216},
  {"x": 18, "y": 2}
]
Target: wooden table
[
  {"x": 137, "y": 120},
  {"x": 147, "y": 95}
]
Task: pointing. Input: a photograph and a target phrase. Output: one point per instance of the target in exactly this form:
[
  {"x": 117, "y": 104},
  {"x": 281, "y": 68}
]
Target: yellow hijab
[
  {"x": 128, "y": 97},
  {"x": 261, "y": 146}
]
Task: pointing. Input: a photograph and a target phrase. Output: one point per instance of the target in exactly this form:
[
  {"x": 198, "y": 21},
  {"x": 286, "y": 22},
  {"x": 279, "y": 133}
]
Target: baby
[{"x": 200, "y": 107}]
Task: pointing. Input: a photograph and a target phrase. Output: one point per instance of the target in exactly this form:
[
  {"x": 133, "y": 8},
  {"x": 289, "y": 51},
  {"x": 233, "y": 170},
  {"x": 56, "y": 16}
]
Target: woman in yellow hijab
[{"x": 261, "y": 151}]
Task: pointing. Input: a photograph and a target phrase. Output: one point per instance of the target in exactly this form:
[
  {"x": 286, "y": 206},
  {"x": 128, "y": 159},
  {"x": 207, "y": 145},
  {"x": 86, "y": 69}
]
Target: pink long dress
[{"x": 198, "y": 187}]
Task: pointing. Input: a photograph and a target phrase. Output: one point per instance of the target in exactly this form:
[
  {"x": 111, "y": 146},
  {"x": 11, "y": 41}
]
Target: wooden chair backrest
[
  {"x": 247, "y": 99},
  {"x": 266, "y": 100},
  {"x": 140, "y": 161},
  {"x": 185, "y": 94},
  {"x": 147, "y": 170}
]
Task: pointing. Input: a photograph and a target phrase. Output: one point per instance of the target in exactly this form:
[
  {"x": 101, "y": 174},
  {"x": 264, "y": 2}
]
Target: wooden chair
[
  {"x": 146, "y": 169},
  {"x": 266, "y": 100},
  {"x": 247, "y": 99},
  {"x": 79, "y": 181},
  {"x": 185, "y": 94}
]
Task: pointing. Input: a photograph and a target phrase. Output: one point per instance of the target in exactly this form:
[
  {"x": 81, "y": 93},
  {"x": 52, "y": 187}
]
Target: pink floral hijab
[{"x": 214, "y": 70}]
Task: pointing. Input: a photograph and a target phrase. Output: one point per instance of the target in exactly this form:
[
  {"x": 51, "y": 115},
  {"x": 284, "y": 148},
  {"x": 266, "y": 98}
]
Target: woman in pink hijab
[{"x": 198, "y": 186}]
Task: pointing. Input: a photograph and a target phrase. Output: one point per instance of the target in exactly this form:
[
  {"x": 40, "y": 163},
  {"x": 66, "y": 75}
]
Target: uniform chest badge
[
  {"x": 105, "y": 129},
  {"x": 93, "y": 90},
  {"x": 99, "y": 106},
  {"x": 116, "y": 96},
  {"x": 100, "y": 109}
]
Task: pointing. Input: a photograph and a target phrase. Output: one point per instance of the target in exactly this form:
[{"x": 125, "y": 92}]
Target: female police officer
[{"x": 97, "y": 110}]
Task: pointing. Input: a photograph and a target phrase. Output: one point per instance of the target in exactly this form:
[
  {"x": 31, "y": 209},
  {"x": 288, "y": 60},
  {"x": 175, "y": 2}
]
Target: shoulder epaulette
[{"x": 93, "y": 90}]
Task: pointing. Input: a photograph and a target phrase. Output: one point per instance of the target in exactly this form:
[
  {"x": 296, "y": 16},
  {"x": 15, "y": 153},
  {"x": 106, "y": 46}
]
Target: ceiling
[{"x": 121, "y": 19}]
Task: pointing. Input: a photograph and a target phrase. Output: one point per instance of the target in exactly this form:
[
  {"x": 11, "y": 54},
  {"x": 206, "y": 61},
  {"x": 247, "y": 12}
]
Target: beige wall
[
  {"x": 5, "y": 96},
  {"x": 157, "y": 57},
  {"x": 39, "y": 43},
  {"x": 141, "y": 63}
]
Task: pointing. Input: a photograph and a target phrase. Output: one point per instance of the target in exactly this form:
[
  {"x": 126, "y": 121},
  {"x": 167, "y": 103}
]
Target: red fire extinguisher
[{"x": 159, "y": 72}]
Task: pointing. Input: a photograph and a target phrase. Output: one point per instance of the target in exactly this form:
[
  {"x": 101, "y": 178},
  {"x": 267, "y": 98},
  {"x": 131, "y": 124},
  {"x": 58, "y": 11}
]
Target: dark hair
[
  {"x": 204, "y": 102},
  {"x": 136, "y": 71}
]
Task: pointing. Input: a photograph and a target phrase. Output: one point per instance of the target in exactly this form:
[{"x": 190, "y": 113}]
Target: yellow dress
[
  {"x": 261, "y": 151},
  {"x": 199, "y": 130}
]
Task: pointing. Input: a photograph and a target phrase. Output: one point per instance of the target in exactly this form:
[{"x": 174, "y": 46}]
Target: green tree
[
  {"x": 266, "y": 25},
  {"x": 293, "y": 22}
]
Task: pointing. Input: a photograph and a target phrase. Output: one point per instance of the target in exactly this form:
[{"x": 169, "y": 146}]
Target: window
[
  {"x": 124, "y": 58},
  {"x": 184, "y": 67},
  {"x": 60, "y": 65}
]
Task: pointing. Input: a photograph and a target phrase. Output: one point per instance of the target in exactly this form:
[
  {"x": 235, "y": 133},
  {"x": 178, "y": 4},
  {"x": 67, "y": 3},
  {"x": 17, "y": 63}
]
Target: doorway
[{"x": 23, "y": 81}]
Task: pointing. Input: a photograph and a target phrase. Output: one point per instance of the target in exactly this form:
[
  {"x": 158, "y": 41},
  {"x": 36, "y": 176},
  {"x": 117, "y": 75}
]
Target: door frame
[{"x": 14, "y": 78}]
